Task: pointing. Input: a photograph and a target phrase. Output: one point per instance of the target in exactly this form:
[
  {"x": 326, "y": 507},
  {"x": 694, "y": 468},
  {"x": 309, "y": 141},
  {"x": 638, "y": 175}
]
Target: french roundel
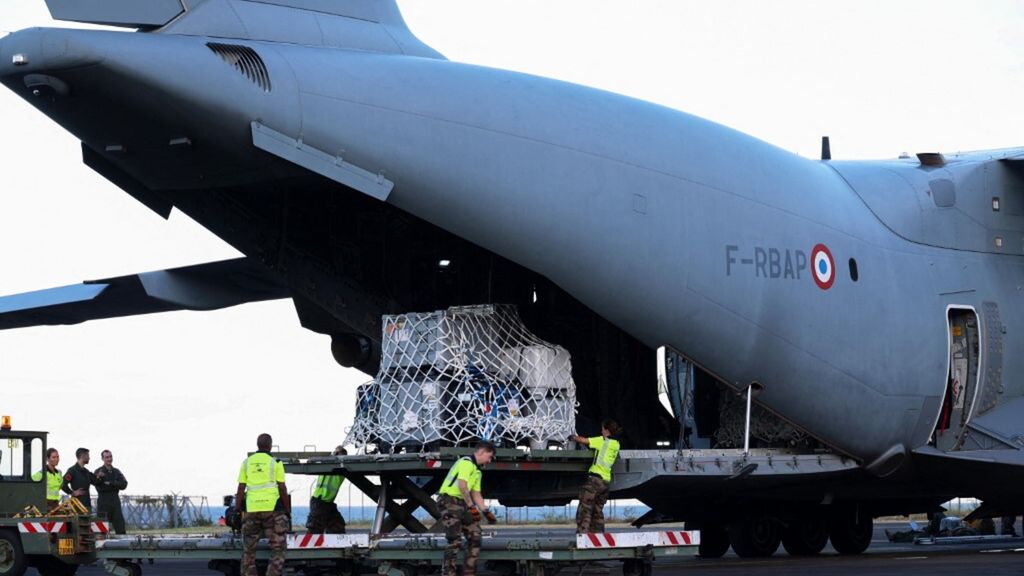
[{"x": 824, "y": 267}]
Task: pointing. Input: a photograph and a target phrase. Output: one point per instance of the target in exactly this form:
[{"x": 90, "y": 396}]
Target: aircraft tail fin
[
  {"x": 128, "y": 13},
  {"x": 370, "y": 25}
]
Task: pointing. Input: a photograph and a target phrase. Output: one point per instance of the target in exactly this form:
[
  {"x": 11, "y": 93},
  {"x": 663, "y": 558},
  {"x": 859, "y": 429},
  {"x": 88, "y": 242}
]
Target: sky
[{"x": 180, "y": 397}]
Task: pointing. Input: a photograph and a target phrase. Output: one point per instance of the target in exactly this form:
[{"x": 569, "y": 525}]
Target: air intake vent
[{"x": 246, "y": 61}]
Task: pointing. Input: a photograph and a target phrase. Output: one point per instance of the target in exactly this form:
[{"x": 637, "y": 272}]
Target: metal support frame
[
  {"x": 417, "y": 498},
  {"x": 390, "y": 514},
  {"x": 382, "y": 502},
  {"x": 746, "y": 432}
]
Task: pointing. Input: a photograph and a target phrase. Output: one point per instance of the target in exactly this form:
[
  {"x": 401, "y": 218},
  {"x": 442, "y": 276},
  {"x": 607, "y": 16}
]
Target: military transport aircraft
[{"x": 873, "y": 306}]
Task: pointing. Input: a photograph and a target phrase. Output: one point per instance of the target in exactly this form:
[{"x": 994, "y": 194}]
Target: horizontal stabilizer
[
  {"x": 365, "y": 25},
  {"x": 129, "y": 13},
  {"x": 207, "y": 286}
]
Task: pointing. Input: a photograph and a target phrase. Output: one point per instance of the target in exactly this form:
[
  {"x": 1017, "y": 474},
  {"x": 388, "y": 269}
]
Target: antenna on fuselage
[{"x": 826, "y": 149}]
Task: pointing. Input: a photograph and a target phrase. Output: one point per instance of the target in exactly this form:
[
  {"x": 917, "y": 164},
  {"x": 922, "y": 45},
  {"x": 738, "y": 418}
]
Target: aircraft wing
[{"x": 208, "y": 286}]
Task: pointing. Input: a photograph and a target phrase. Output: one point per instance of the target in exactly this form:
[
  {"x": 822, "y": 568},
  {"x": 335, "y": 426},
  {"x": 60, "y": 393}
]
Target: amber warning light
[{"x": 5, "y": 423}]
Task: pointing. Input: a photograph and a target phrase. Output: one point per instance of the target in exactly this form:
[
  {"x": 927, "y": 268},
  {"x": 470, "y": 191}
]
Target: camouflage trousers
[
  {"x": 458, "y": 523},
  {"x": 590, "y": 513},
  {"x": 273, "y": 526},
  {"x": 324, "y": 518}
]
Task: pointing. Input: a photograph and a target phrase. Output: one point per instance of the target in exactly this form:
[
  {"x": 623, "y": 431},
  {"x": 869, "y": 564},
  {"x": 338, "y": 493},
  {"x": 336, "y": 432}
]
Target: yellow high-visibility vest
[
  {"x": 260, "y": 473},
  {"x": 53, "y": 482},
  {"x": 327, "y": 487},
  {"x": 607, "y": 451},
  {"x": 463, "y": 469}
]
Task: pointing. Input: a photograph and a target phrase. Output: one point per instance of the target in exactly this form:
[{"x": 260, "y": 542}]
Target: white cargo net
[{"x": 466, "y": 373}]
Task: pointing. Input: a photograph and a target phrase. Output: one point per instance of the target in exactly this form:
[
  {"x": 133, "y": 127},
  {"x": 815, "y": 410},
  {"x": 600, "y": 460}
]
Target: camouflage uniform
[
  {"x": 458, "y": 521},
  {"x": 594, "y": 493},
  {"x": 590, "y": 513},
  {"x": 262, "y": 477},
  {"x": 324, "y": 518},
  {"x": 273, "y": 525}
]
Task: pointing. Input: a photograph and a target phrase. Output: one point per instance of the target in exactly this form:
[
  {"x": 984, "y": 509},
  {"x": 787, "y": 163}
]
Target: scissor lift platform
[
  {"x": 541, "y": 554},
  {"x": 407, "y": 481}
]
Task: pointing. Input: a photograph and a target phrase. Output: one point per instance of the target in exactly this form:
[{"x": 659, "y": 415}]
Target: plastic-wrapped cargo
[{"x": 467, "y": 373}]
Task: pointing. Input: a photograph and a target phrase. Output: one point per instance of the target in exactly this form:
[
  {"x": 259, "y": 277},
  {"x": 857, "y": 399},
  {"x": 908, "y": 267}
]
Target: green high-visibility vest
[
  {"x": 327, "y": 487},
  {"x": 260, "y": 473},
  {"x": 463, "y": 469},
  {"x": 53, "y": 483},
  {"x": 607, "y": 452}
]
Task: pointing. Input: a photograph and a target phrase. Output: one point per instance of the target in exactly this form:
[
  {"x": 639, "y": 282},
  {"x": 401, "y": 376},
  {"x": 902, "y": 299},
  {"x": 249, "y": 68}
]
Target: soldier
[
  {"x": 324, "y": 517},
  {"x": 78, "y": 479},
  {"x": 594, "y": 493},
  {"x": 263, "y": 497},
  {"x": 112, "y": 481},
  {"x": 462, "y": 504}
]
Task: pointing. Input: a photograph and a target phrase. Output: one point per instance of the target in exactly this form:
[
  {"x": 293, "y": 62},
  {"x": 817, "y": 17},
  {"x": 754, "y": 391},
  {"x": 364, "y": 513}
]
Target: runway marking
[{"x": 1002, "y": 550}]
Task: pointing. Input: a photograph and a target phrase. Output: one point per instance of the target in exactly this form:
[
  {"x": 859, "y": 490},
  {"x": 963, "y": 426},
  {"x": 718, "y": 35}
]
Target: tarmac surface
[{"x": 1002, "y": 557}]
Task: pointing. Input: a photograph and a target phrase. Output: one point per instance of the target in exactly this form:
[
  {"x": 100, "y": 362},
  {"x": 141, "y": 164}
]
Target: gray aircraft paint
[{"x": 628, "y": 206}]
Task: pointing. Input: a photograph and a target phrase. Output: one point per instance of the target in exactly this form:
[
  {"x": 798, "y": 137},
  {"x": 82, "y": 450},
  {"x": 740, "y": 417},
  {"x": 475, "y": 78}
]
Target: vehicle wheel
[
  {"x": 502, "y": 567},
  {"x": 851, "y": 532},
  {"x": 714, "y": 542},
  {"x": 805, "y": 536},
  {"x": 755, "y": 537},
  {"x": 552, "y": 569},
  {"x": 635, "y": 567},
  {"x": 49, "y": 566},
  {"x": 226, "y": 567},
  {"x": 12, "y": 556}
]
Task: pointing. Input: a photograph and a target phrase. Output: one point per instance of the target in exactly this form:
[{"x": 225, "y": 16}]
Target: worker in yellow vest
[
  {"x": 324, "y": 517},
  {"x": 594, "y": 494},
  {"x": 462, "y": 504},
  {"x": 266, "y": 509},
  {"x": 54, "y": 478}
]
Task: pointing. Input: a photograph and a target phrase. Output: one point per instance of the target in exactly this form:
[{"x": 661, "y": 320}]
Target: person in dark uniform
[
  {"x": 78, "y": 479},
  {"x": 111, "y": 482}
]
